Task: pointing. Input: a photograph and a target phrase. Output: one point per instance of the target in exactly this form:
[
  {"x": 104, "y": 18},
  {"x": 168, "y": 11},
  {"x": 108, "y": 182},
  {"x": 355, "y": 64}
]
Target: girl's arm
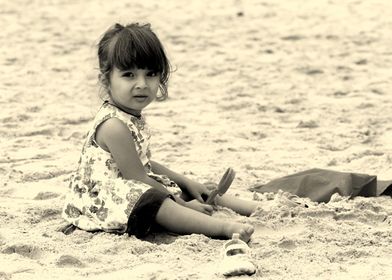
[
  {"x": 195, "y": 189},
  {"x": 115, "y": 137}
]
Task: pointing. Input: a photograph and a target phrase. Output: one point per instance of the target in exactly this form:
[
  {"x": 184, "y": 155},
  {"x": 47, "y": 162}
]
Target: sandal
[{"x": 236, "y": 260}]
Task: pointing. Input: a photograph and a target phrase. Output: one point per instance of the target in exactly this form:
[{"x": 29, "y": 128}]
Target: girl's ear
[
  {"x": 104, "y": 80},
  {"x": 101, "y": 78}
]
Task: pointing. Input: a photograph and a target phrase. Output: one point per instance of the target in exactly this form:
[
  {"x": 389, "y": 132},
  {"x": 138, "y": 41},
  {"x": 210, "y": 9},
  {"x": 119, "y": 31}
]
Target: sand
[{"x": 265, "y": 87}]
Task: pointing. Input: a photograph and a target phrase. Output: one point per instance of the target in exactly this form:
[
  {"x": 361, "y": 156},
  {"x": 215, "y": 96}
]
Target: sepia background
[{"x": 267, "y": 87}]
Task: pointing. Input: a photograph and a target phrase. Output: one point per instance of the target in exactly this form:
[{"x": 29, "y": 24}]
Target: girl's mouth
[{"x": 141, "y": 98}]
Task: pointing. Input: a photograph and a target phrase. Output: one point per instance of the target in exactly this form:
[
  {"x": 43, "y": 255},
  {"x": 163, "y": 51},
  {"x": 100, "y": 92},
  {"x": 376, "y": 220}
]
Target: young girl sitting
[{"x": 117, "y": 187}]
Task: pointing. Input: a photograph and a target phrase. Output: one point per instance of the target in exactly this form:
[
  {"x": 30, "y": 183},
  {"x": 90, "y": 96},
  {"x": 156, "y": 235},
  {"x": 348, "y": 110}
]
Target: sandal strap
[{"x": 236, "y": 246}]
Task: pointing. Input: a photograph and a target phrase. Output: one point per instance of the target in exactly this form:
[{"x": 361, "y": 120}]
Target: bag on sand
[{"x": 320, "y": 184}]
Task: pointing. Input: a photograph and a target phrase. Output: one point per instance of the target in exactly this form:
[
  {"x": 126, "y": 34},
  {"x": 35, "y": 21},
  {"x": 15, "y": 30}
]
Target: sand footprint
[
  {"x": 292, "y": 38},
  {"x": 287, "y": 244},
  {"x": 310, "y": 71},
  {"x": 69, "y": 261},
  {"x": 46, "y": 195},
  {"x": 76, "y": 120},
  {"x": 5, "y": 276},
  {"x": 308, "y": 124},
  {"x": 36, "y": 215},
  {"x": 26, "y": 250}
]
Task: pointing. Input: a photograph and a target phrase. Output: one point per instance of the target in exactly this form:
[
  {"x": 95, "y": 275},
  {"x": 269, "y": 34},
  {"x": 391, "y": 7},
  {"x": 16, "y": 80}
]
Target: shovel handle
[{"x": 223, "y": 185}]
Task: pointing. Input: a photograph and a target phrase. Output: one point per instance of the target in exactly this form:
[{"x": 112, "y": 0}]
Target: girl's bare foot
[{"x": 245, "y": 231}]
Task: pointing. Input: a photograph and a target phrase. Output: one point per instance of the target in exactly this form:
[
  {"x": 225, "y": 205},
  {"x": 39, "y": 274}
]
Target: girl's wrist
[{"x": 179, "y": 200}]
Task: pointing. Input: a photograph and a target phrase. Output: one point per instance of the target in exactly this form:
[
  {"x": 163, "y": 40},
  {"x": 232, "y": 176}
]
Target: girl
[{"x": 117, "y": 187}]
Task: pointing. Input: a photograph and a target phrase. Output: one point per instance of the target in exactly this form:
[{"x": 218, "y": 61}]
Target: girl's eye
[
  {"x": 128, "y": 74},
  {"x": 152, "y": 74}
]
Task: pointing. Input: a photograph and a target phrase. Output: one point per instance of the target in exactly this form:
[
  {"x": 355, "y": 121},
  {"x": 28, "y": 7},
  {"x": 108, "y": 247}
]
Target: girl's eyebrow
[
  {"x": 128, "y": 70},
  {"x": 135, "y": 69}
]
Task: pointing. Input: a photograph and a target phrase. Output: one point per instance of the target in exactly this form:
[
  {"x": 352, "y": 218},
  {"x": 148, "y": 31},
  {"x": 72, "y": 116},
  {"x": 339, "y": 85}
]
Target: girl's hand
[
  {"x": 196, "y": 190},
  {"x": 201, "y": 207}
]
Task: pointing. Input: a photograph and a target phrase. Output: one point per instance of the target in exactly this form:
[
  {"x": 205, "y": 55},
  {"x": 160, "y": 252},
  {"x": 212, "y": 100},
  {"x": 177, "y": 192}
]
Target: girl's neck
[{"x": 134, "y": 113}]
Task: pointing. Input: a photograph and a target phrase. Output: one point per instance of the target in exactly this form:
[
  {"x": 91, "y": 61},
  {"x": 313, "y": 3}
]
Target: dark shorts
[{"x": 141, "y": 221}]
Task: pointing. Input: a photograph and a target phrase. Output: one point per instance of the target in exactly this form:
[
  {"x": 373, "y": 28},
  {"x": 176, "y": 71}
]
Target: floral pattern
[{"x": 99, "y": 198}]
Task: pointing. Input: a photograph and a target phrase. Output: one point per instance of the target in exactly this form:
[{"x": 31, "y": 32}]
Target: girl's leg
[
  {"x": 243, "y": 207},
  {"x": 179, "y": 219}
]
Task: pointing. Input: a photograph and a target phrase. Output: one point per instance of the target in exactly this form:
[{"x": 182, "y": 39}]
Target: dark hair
[{"x": 133, "y": 46}]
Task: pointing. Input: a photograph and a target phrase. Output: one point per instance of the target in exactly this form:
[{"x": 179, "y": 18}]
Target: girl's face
[{"x": 132, "y": 90}]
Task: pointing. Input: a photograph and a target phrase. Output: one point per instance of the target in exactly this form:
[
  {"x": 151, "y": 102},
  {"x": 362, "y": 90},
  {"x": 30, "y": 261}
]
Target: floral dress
[{"x": 99, "y": 198}]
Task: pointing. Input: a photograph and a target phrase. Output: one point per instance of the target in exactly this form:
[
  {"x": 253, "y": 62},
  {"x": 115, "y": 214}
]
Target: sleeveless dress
[{"x": 99, "y": 198}]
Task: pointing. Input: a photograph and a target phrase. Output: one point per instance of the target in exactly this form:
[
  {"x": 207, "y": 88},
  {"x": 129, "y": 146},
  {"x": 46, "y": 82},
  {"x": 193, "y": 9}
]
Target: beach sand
[{"x": 265, "y": 87}]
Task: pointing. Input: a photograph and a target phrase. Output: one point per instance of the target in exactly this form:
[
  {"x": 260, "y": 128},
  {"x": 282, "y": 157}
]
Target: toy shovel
[{"x": 223, "y": 185}]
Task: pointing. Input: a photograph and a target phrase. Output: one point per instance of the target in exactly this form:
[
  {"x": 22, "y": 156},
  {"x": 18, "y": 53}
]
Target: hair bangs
[{"x": 137, "y": 51}]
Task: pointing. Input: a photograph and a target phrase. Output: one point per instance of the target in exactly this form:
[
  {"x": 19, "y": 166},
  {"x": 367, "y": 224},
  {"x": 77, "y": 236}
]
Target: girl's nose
[{"x": 141, "y": 82}]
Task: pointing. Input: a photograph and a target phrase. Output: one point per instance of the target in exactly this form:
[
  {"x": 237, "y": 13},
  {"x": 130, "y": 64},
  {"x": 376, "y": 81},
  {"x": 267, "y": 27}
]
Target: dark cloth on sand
[{"x": 320, "y": 184}]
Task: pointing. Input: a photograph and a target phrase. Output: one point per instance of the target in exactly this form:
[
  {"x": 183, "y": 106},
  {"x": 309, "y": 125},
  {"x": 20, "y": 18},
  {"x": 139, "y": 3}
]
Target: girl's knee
[{"x": 143, "y": 216}]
